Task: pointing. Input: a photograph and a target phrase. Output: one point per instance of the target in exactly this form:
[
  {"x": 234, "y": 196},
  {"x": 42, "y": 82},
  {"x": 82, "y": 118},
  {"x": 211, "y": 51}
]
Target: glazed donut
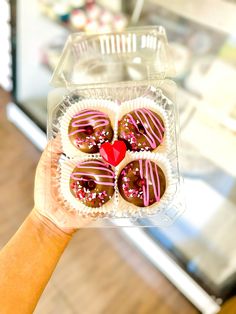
[
  {"x": 88, "y": 129},
  {"x": 141, "y": 129},
  {"x": 142, "y": 183},
  {"x": 92, "y": 182}
]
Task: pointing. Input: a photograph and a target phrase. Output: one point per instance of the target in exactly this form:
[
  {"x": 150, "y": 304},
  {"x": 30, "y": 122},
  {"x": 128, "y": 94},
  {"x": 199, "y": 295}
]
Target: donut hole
[
  {"x": 89, "y": 130},
  {"x": 140, "y": 182},
  {"x": 91, "y": 185},
  {"x": 88, "y": 183},
  {"x": 141, "y": 128}
]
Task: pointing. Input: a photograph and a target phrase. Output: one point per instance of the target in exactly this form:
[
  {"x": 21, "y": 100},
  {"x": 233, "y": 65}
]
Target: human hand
[{"x": 48, "y": 202}]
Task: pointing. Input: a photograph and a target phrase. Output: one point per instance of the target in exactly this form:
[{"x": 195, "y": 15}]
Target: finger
[
  {"x": 54, "y": 145},
  {"x": 52, "y": 152}
]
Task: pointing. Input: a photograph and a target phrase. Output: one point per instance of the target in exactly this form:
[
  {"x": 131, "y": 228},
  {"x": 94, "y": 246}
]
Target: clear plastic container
[{"x": 115, "y": 73}]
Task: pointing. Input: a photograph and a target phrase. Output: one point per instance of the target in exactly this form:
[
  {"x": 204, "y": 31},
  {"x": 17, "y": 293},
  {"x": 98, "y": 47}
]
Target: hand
[{"x": 48, "y": 202}]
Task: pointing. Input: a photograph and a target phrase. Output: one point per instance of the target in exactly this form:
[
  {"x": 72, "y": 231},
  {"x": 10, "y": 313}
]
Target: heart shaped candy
[{"x": 113, "y": 153}]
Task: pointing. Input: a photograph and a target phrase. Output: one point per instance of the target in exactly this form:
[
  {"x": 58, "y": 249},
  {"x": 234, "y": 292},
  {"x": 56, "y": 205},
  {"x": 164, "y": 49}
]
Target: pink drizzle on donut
[
  {"x": 87, "y": 118},
  {"x": 149, "y": 179},
  {"x": 149, "y": 175},
  {"x": 151, "y": 134},
  {"x": 93, "y": 165}
]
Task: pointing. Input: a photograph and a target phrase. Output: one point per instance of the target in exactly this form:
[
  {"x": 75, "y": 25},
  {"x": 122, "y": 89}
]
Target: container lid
[{"x": 140, "y": 53}]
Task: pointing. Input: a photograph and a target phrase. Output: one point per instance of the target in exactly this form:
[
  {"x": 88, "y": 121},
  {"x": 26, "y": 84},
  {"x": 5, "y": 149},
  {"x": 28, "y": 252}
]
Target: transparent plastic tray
[{"x": 120, "y": 70}]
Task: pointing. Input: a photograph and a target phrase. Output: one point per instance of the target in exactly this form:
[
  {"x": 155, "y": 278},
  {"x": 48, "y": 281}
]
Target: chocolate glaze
[
  {"x": 142, "y": 183},
  {"x": 142, "y": 130},
  {"x": 92, "y": 182},
  {"x": 88, "y": 129}
]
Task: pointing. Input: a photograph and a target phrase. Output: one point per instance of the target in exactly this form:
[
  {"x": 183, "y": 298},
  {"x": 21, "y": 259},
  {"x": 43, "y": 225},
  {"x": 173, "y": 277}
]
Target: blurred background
[{"x": 189, "y": 267}]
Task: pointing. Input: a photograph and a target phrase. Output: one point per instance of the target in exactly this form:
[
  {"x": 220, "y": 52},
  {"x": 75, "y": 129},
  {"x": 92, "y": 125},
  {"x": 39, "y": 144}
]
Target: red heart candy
[{"x": 113, "y": 153}]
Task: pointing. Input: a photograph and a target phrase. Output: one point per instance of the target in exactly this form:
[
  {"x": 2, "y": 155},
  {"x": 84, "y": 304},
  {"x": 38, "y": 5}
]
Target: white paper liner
[
  {"x": 66, "y": 168},
  {"x": 144, "y": 102},
  {"x": 126, "y": 209},
  {"x": 106, "y": 106},
  {"x": 117, "y": 207}
]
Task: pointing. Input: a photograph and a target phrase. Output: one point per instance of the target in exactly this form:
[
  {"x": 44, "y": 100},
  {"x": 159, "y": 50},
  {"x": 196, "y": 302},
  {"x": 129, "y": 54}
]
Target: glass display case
[
  {"x": 201, "y": 243},
  {"x": 204, "y": 48},
  {"x": 36, "y": 52}
]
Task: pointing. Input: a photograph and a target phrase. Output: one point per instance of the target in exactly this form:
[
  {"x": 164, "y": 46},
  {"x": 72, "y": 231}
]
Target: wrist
[{"x": 43, "y": 223}]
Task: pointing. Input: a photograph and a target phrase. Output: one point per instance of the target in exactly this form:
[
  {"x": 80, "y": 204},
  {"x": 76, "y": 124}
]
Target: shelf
[
  {"x": 48, "y": 11},
  {"x": 218, "y": 14}
]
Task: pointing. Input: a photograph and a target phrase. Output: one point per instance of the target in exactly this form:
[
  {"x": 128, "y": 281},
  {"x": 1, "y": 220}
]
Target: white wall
[
  {"x": 5, "y": 46},
  {"x": 34, "y": 30}
]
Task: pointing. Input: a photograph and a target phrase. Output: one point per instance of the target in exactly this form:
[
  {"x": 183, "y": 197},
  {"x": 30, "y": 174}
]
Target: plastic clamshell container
[
  {"x": 127, "y": 69},
  {"x": 136, "y": 54}
]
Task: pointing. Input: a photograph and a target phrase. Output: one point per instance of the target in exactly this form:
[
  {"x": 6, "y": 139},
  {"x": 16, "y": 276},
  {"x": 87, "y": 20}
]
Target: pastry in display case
[{"x": 83, "y": 16}]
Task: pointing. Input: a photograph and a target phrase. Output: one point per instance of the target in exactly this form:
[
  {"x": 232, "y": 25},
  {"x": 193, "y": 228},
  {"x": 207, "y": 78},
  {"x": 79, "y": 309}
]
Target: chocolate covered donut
[
  {"x": 88, "y": 129},
  {"x": 92, "y": 182},
  {"x": 142, "y": 183},
  {"x": 142, "y": 130}
]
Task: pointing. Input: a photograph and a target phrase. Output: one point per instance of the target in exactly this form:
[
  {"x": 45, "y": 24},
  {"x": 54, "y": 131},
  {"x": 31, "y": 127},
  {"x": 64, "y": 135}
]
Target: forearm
[{"x": 27, "y": 262}]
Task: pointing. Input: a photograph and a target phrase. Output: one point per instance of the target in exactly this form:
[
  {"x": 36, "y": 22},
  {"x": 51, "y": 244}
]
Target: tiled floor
[{"x": 100, "y": 271}]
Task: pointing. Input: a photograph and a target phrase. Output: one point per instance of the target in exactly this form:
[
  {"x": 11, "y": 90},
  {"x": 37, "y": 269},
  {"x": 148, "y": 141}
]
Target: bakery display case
[
  {"x": 197, "y": 253},
  {"x": 204, "y": 49},
  {"x": 36, "y": 52}
]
